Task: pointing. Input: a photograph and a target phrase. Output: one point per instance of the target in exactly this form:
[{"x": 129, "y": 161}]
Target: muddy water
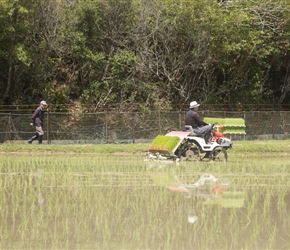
[{"x": 126, "y": 203}]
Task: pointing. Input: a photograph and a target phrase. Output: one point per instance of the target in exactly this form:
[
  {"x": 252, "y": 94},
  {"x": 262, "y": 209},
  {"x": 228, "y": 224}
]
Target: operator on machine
[{"x": 199, "y": 126}]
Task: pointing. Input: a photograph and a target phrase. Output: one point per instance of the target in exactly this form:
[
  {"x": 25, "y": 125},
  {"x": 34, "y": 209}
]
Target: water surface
[{"x": 124, "y": 202}]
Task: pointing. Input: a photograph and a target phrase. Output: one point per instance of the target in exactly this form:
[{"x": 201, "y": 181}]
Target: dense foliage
[{"x": 152, "y": 52}]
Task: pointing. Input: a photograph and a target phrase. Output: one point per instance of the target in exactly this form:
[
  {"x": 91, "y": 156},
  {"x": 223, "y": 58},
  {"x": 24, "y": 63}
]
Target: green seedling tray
[{"x": 164, "y": 144}]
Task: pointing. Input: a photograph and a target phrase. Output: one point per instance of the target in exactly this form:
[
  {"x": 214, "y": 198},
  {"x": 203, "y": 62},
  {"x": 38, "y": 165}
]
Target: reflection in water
[
  {"x": 40, "y": 199},
  {"x": 92, "y": 203},
  {"x": 210, "y": 191},
  {"x": 250, "y": 208},
  {"x": 37, "y": 187}
]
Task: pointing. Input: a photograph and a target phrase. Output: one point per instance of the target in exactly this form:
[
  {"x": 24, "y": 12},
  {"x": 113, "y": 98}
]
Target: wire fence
[{"x": 132, "y": 127}]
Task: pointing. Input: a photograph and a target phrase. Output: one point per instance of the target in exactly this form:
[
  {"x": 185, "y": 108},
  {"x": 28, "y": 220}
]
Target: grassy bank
[{"x": 239, "y": 147}]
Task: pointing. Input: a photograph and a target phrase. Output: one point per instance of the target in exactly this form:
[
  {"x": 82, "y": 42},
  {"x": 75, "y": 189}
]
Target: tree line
[{"x": 144, "y": 54}]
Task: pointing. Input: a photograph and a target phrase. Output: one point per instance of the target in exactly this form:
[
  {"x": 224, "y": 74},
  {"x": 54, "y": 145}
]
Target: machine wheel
[
  {"x": 194, "y": 153},
  {"x": 219, "y": 154}
]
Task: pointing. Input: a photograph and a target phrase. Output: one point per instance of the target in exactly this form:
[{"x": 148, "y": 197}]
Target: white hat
[
  {"x": 43, "y": 103},
  {"x": 193, "y": 104}
]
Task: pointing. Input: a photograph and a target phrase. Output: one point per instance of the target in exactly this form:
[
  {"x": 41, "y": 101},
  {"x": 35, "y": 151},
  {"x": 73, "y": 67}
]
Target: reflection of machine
[
  {"x": 185, "y": 145},
  {"x": 206, "y": 191},
  {"x": 212, "y": 192}
]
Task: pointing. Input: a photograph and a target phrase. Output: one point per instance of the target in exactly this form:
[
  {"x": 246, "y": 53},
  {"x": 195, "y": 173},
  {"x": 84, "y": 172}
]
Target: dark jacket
[
  {"x": 38, "y": 117},
  {"x": 192, "y": 118}
]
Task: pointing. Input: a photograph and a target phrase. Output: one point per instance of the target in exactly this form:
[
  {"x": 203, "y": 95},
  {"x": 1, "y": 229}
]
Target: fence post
[
  {"x": 259, "y": 128},
  {"x": 107, "y": 126},
  {"x": 272, "y": 124},
  {"x": 179, "y": 116},
  {"x": 133, "y": 127},
  {"x": 48, "y": 128},
  {"x": 10, "y": 126},
  {"x": 159, "y": 121},
  {"x": 245, "y": 123},
  {"x": 283, "y": 125},
  {"x": 75, "y": 129}
]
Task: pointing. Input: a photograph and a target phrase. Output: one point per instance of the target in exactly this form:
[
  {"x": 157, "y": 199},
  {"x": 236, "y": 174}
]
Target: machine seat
[{"x": 189, "y": 128}]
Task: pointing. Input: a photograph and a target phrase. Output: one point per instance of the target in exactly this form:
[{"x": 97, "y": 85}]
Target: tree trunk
[
  {"x": 9, "y": 79},
  {"x": 11, "y": 51}
]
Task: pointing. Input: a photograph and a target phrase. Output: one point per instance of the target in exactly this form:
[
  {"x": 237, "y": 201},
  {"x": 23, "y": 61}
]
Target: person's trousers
[
  {"x": 39, "y": 131},
  {"x": 39, "y": 134},
  {"x": 202, "y": 130}
]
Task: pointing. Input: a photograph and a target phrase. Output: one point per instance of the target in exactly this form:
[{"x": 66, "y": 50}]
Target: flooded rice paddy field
[{"x": 124, "y": 202}]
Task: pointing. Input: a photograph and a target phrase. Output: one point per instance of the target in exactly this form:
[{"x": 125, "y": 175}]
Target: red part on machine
[{"x": 218, "y": 134}]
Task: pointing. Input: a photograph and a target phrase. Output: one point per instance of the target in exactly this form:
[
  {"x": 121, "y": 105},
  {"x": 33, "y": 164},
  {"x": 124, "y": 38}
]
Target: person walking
[
  {"x": 37, "y": 120},
  {"x": 199, "y": 126}
]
